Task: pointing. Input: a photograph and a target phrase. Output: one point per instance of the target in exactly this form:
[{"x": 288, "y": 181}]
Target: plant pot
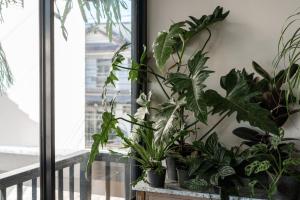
[
  {"x": 156, "y": 179},
  {"x": 183, "y": 176},
  {"x": 171, "y": 168},
  {"x": 287, "y": 189}
]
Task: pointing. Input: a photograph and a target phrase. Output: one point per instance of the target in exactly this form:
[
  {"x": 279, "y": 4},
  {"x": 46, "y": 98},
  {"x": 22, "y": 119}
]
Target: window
[{"x": 83, "y": 52}]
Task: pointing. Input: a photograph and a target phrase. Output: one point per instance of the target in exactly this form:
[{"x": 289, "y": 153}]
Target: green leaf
[
  {"x": 163, "y": 45},
  {"x": 100, "y": 139},
  {"x": 214, "y": 179},
  {"x": 196, "y": 184},
  {"x": 172, "y": 40},
  {"x": 117, "y": 59},
  {"x": 261, "y": 71},
  {"x": 166, "y": 119},
  {"x": 212, "y": 143},
  {"x": 135, "y": 66},
  {"x": 226, "y": 171},
  {"x": 144, "y": 102},
  {"x": 239, "y": 99},
  {"x": 291, "y": 162},
  {"x": 191, "y": 87},
  {"x": 257, "y": 167}
]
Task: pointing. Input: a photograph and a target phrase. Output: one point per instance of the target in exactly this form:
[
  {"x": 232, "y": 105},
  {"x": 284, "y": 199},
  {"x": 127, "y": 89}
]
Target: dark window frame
[{"x": 47, "y": 107}]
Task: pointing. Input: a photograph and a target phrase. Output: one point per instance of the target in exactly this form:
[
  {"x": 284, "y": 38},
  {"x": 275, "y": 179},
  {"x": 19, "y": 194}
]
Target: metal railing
[{"x": 31, "y": 173}]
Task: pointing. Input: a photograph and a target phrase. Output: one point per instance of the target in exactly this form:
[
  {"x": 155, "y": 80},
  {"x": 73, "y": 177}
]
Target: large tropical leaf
[
  {"x": 197, "y": 25},
  {"x": 166, "y": 119},
  {"x": 170, "y": 41},
  {"x": 164, "y": 44},
  {"x": 238, "y": 99},
  {"x": 191, "y": 86}
]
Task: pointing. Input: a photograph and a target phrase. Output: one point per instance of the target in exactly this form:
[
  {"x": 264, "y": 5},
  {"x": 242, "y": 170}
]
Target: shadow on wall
[{"x": 17, "y": 129}]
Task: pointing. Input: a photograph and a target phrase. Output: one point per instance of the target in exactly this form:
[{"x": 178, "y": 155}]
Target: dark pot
[
  {"x": 171, "y": 168},
  {"x": 156, "y": 179},
  {"x": 183, "y": 176},
  {"x": 287, "y": 189}
]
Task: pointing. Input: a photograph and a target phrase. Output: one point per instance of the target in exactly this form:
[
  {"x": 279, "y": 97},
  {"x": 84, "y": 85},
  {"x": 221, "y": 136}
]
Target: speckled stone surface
[
  {"x": 171, "y": 189},
  {"x": 142, "y": 186}
]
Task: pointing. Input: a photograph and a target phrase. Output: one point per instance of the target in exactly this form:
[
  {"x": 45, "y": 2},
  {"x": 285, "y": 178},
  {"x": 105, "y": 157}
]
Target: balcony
[{"x": 73, "y": 181}]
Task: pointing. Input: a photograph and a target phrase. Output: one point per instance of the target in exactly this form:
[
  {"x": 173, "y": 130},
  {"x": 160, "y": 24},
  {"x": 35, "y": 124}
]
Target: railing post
[
  {"x": 107, "y": 180},
  {"x": 85, "y": 181},
  {"x": 61, "y": 184},
  {"x": 19, "y": 191},
  {"x": 127, "y": 181},
  {"x": 3, "y": 194},
  {"x": 71, "y": 182},
  {"x": 34, "y": 189}
]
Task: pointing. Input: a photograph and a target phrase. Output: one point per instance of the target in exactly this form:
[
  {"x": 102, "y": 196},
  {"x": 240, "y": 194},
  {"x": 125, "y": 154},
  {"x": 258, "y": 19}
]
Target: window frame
[{"x": 47, "y": 79}]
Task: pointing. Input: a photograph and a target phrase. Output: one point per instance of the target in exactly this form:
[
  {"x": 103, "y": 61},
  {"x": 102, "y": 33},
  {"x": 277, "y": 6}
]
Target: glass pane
[
  {"x": 83, "y": 53},
  {"x": 19, "y": 103}
]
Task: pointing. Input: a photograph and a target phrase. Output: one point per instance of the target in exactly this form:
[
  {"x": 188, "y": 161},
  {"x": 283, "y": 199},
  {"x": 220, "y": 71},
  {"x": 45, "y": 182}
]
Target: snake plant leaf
[
  {"x": 238, "y": 99},
  {"x": 166, "y": 119},
  {"x": 191, "y": 86},
  {"x": 164, "y": 44},
  {"x": 109, "y": 123}
]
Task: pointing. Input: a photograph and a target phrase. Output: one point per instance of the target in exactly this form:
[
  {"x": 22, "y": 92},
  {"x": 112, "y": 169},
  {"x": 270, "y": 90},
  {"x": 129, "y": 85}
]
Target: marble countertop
[
  {"x": 173, "y": 188},
  {"x": 170, "y": 188}
]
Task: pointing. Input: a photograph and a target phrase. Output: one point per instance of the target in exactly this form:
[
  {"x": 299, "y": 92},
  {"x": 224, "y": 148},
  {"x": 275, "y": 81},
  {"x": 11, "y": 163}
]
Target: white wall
[{"x": 250, "y": 32}]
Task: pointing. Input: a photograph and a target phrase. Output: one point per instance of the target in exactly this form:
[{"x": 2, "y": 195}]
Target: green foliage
[
  {"x": 273, "y": 159},
  {"x": 180, "y": 33},
  {"x": 288, "y": 54},
  {"x": 109, "y": 123},
  {"x": 239, "y": 99},
  {"x": 166, "y": 120},
  {"x": 196, "y": 184},
  {"x": 108, "y": 12},
  {"x": 214, "y": 163},
  {"x": 135, "y": 66},
  {"x": 164, "y": 44},
  {"x": 191, "y": 86}
]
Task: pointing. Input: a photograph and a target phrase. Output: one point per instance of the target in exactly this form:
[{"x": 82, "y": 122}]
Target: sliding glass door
[
  {"x": 19, "y": 101},
  {"x": 54, "y": 59}
]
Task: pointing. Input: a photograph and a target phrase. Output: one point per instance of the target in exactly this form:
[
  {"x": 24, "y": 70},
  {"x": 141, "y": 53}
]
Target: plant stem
[
  {"x": 214, "y": 126},
  {"x": 207, "y": 40},
  {"x": 142, "y": 70},
  {"x": 192, "y": 124},
  {"x": 135, "y": 123},
  {"x": 160, "y": 84}
]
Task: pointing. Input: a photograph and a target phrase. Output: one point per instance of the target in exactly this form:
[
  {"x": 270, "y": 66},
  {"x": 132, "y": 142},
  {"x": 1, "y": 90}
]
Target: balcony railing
[{"x": 31, "y": 173}]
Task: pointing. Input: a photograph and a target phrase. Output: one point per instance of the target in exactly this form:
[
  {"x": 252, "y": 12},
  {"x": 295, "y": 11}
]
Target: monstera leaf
[
  {"x": 166, "y": 119},
  {"x": 170, "y": 41},
  {"x": 109, "y": 123},
  {"x": 191, "y": 86},
  {"x": 238, "y": 99}
]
